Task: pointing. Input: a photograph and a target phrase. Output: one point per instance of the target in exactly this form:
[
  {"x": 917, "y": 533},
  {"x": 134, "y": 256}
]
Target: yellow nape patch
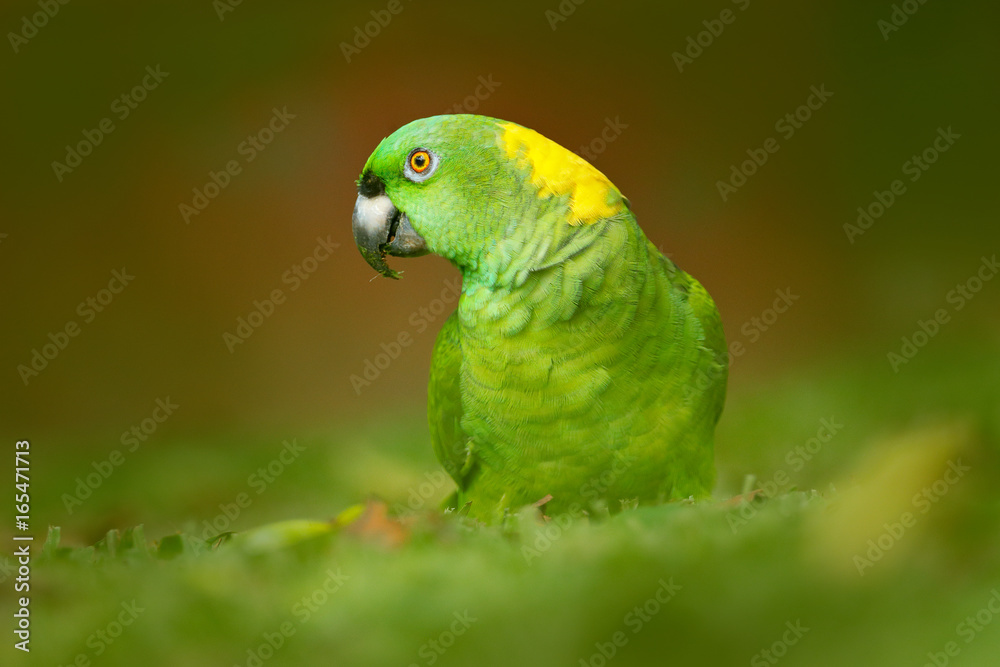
[{"x": 557, "y": 171}]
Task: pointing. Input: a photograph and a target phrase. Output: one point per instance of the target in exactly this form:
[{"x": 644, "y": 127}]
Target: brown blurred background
[{"x": 163, "y": 334}]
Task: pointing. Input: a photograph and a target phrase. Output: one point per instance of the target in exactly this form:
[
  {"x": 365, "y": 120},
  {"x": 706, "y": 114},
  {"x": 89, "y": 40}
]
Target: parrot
[{"x": 582, "y": 371}]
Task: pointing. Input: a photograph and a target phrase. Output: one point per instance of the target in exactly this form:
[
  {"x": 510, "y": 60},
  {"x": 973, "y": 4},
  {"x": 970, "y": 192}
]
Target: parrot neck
[{"x": 533, "y": 281}]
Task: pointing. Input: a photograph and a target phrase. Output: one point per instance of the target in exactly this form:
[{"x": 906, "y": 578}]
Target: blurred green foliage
[{"x": 825, "y": 571}]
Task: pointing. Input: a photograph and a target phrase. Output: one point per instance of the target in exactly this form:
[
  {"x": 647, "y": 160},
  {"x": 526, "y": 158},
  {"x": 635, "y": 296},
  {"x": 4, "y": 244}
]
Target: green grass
[{"x": 732, "y": 577}]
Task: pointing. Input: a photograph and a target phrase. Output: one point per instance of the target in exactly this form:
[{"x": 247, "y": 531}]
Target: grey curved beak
[{"x": 381, "y": 229}]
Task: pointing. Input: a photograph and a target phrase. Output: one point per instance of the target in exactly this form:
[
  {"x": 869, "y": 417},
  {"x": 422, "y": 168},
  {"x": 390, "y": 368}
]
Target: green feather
[{"x": 581, "y": 363}]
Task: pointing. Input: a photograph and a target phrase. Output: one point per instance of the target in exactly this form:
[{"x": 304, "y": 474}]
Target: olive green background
[{"x": 783, "y": 229}]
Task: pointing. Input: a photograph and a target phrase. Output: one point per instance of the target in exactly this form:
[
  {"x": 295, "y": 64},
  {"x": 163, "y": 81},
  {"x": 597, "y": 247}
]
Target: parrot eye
[
  {"x": 420, "y": 165},
  {"x": 420, "y": 161}
]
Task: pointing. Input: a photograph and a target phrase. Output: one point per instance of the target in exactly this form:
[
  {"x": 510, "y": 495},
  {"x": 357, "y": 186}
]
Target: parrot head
[{"x": 460, "y": 185}]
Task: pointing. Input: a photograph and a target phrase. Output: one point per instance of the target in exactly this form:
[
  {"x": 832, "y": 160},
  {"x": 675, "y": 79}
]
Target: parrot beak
[{"x": 381, "y": 229}]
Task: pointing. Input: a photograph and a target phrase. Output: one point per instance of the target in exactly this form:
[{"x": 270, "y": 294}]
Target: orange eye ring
[{"x": 420, "y": 161}]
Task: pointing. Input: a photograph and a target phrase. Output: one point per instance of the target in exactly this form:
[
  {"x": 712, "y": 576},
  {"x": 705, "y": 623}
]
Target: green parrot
[{"x": 581, "y": 369}]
